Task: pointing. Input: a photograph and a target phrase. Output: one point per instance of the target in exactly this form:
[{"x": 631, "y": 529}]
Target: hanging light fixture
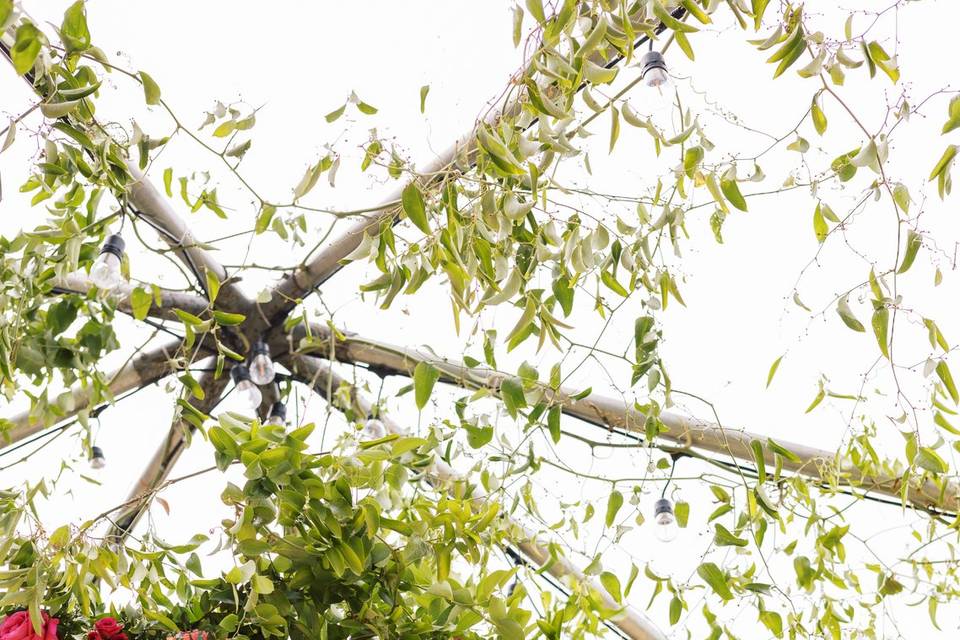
[
  {"x": 654, "y": 69},
  {"x": 373, "y": 430},
  {"x": 261, "y": 366},
  {"x": 665, "y": 520},
  {"x": 247, "y": 390},
  {"x": 278, "y": 414},
  {"x": 105, "y": 273},
  {"x": 97, "y": 460}
]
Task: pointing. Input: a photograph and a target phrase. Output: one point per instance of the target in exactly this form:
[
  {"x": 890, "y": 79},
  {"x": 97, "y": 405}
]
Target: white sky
[{"x": 299, "y": 61}]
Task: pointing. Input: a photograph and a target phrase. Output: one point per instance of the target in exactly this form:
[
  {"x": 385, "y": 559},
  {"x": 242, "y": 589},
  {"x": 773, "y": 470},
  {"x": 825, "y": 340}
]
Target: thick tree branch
[
  {"x": 145, "y": 368},
  {"x": 320, "y": 376},
  {"x": 166, "y": 456},
  {"x": 822, "y": 466}
]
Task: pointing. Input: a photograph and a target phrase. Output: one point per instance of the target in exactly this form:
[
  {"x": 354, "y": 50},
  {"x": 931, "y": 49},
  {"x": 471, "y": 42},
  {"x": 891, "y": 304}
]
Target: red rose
[
  {"x": 107, "y": 628},
  {"x": 17, "y": 626}
]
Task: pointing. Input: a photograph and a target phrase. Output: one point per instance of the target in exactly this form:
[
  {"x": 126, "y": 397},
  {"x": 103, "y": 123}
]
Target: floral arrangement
[{"x": 18, "y": 626}]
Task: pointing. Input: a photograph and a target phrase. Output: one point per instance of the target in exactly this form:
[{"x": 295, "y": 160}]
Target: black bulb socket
[{"x": 114, "y": 244}]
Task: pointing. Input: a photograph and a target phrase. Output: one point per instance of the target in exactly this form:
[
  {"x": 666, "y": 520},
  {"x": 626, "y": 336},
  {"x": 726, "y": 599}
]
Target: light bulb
[
  {"x": 278, "y": 414},
  {"x": 666, "y": 523},
  {"x": 97, "y": 461},
  {"x": 105, "y": 273},
  {"x": 654, "y": 69},
  {"x": 247, "y": 390},
  {"x": 373, "y": 430},
  {"x": 261, "y": 366}
]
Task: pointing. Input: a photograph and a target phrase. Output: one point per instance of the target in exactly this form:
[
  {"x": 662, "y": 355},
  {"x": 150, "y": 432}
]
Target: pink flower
[
  {"x": 107, "y": 629},
  {"x": 17, "y": 626}
]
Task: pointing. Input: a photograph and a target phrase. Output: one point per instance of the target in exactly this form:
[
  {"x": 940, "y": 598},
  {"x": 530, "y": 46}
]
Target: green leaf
[
  {"x": 681, "y": 511},
  {"x": 711, "y": 574},
  {"x": 73, "y": 29},
  {"x": 676, "y": 610},
  {"x": 424, "y": 90},
  {"x": 414, "y": 207},
  {"x": 901, "y": 195},
  {"x": 818, "y": 117},
  {"x": 54, "y": 110},
  {"x": 365, "y": 108},
  {"x": 612, "y": 283},
  {"x": 425, "y": 375},
  {"x": 691, "y": 160},
  {"x": 757, "y": 447},
  {"x": 611, "y": 583},
  {"x": 336, "y": 113},
  {"x": 614, "y": 502},
  {"x": 947, "y": 378},
  {"x": 773, "y": 370},
  {"x": 880, "y": 322},
  {"x": 156, "y": 616},
  {"x": 772, "y": 621},
  {"x": 723, "y": 537},
  {"x": 820, "y": 228},
  {"x": 928, "y": 459},
  {"x": 26, "y": 48},
  {"x": 553, "y": 423},
  {"x": 821, "y": 394},
  {"x": 6, "y": 10},
  {"x": 151, "y": 91},
  {"x": 213, "y": 286},
  {"x": 846, "y": 314},
  {"x": 226, "y": 319},
  {"x": 948, "y": 154},
  {"x": 168, "y": 181},
  {"x": 732, "y": 191},
  {"x": 914, "y": 240},
  {"x": 511, "y": 391},
  {"x": 140, "y": 302}
]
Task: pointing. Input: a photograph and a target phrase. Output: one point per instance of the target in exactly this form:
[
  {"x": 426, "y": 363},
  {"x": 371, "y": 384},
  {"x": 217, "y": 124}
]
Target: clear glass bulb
[
  {"x": 105, "y": 272},
  {"x": 373, "y": 430},
  {"x": 250, "y": 393},
  {"x": 656, "y": 78},
  {"x": 261, "y": 369},
  {"x": 666, "y": 528}
]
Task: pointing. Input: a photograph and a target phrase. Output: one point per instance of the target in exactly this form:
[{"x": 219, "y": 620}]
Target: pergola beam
[
  {"x": 161, "y": 464},
  {"x": 683, "y": 432},
  {"x": 169, "y": 300},
  {"x": 319, "y": 376},
  {"x": 145, "y": 368},
  {"x": 158, "y": 212},
  {"x": 328, "y": 261}
]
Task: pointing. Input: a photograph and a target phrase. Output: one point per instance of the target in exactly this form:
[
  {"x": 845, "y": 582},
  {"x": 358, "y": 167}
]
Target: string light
[
  {"x": 278, "y": 414},
  {"x": 247, "y": 390},
  {"x": 261, "y": 366},
  {"x": 654, "y": 69},
  {"x": 97, "y": 459},
  {"x": 666, "y": 529},
  {"x": 105, "y": 273}
]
